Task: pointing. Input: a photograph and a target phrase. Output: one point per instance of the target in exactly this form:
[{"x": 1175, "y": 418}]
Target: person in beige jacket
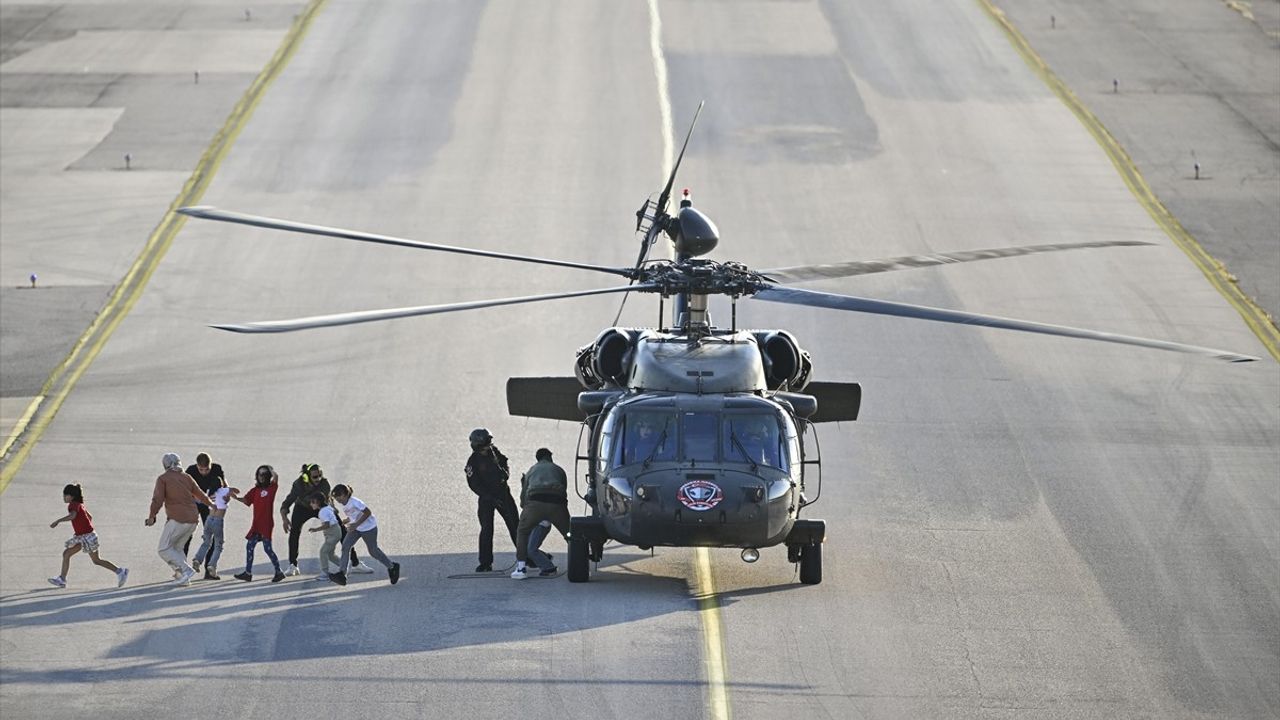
[{"x": 178, "y": 493}]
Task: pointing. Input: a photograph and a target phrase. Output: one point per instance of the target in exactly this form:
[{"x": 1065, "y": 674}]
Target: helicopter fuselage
[
  {"x": 690, "y": 440},
  {"x": 682, "y": 469}
]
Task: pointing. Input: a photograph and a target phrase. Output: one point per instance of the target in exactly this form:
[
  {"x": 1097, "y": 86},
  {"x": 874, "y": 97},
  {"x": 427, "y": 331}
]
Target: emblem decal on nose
[{"x": 700, "y": 495}]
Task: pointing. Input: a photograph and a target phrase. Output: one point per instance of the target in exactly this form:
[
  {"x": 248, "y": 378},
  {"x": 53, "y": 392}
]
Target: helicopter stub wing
[
  {"x": 837, "y": 401},
  {"x": 810, "y": 298},
  {"x": 552, "y": 398},
  {"x": 802, "y": 273},
  {"x": 364, "y": 316}
]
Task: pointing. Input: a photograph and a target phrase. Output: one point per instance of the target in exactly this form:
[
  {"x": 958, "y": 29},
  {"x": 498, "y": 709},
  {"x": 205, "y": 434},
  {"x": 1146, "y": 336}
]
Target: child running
[
  {"x": 260, "y": 498},
  {"x": 84, "y": 537},
  {"x": 362, "y": 525},
  {"x": 212, "y": 544},
  {"x": 332, "y": 532}
]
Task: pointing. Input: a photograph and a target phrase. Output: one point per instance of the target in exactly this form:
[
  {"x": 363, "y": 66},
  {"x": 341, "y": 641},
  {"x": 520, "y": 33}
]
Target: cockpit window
[
  {"x": 753, "y": 438},
  {"x": 645, "y": 436},
  {"x": 734, "y": 436},
  {"x": 701, "y": 436}
]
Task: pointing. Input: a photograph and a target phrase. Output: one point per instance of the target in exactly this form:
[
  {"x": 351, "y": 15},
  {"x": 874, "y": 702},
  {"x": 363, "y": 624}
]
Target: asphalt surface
[{"x": 1019, "y": 526}]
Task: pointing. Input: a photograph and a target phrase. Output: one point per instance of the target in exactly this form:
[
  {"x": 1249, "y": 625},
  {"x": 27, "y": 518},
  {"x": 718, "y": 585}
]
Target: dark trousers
[
  {"x": 186, "y": 548},
  {"x": 485, "y": 507},
  {"x": 300, "y": 515},
  {"x": 535, "y": 511}
]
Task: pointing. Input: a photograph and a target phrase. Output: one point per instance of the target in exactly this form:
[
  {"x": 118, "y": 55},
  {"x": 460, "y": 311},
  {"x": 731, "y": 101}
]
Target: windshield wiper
[
  {"x": 662, "y": 438},
  {"x": 733, "y": 437}
]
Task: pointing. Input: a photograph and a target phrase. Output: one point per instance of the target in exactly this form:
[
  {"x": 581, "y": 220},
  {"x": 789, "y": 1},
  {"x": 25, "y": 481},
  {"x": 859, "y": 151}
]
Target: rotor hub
[{"x": 698, "y": 276}]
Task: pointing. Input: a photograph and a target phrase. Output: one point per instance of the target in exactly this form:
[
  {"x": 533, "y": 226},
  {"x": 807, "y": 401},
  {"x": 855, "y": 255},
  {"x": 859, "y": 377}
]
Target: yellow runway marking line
[
  {"x": 1254, "y": 316},
  {"x": 712, "y": 638},
  {"x": 64, "y": 377},
  {"x": 21, "y": 424}
]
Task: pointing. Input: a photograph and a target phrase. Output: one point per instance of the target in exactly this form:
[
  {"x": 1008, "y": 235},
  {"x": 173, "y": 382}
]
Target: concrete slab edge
[
  {"x": 64, "y": 378},
  {"x": 1258, "y": 320}
]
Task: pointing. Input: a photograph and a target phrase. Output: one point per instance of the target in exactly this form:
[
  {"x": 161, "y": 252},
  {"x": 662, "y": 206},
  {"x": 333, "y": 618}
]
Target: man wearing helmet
[{"x": 487, "y": 475}]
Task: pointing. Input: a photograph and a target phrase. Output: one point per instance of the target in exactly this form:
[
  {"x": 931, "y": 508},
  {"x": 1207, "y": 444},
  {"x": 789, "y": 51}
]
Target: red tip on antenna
[{"x": 685, "y": 192}]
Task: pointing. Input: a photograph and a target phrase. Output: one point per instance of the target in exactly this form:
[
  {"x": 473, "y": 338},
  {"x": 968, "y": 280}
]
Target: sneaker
[
  {"x": 184, "y": 578},
  {"x": 519, "y": 574},
  {"x": 211, "y": 574},
  {"x": 196, "y": 566},
  {"x": 177, "y": 574},
  {"x": 57, "y": 581},
  {"x": 277, "y": 577},
  {"x": 292, "y": 571},
  {"x": 484, "y": 567},
  {"x": 549, "y": 572},
  {"x": 362, "y": 569},
  {"x": 243, "y": 576},
  {"x": 394, "y": 572},
  {"x": 321, "y": 576},
  {"x": 121, "y": 575},
  {"x": 338, "y": 578}
]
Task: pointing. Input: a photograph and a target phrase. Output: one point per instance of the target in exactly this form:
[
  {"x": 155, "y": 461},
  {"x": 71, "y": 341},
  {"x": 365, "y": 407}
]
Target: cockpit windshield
[
  {"x": 665, "y": 435},
  {"x": 753, "y": 438},
  {"x": 645, "y": 436}
]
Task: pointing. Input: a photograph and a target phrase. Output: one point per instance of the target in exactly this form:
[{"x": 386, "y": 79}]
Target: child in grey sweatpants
[{"x": 332, "y": 533}]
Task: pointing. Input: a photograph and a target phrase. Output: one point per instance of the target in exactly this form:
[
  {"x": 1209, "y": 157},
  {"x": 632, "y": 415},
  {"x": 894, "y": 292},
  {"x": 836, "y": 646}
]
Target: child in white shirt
[
  {"x": 332, "y": 532},
  {"x": 361, "y": 525},
  {"x": 213, "y": 531}
]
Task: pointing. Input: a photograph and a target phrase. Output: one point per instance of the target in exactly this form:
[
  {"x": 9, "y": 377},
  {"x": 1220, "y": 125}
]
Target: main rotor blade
[
  {"x": 659, "y": 210},
  {"x": 801, "y": 273},
  {"x": 832, "y": 301},
  {"x": 211, "y": 213},
  {"x": 353, "y": 318},
  {"x": 671, "y": 179}
]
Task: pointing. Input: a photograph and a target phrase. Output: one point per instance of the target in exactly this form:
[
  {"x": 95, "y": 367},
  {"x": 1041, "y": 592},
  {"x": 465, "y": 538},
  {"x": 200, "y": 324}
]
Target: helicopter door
[
  {"x": 815, "y": 462},
  {"x": 583, "y": 460}
]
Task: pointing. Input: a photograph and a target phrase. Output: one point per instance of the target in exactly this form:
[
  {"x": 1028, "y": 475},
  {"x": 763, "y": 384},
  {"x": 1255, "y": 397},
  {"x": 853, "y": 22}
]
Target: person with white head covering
[{"x": 178, "y": 493}]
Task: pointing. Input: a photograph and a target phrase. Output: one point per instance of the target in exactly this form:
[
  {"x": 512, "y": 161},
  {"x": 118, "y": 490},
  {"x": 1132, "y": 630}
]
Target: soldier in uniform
[{"x": 487, "y": 476}]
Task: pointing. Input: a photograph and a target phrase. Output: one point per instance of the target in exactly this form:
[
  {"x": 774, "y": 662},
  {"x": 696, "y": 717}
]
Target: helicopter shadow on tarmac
[{"x": 228, "y": 623}]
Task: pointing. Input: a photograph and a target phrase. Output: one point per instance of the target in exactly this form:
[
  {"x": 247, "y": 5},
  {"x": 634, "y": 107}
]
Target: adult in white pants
[{"x": 178, "y": 493}]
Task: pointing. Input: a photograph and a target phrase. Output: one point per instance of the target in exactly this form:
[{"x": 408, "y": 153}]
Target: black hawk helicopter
[{"x": 696, "y": 436}]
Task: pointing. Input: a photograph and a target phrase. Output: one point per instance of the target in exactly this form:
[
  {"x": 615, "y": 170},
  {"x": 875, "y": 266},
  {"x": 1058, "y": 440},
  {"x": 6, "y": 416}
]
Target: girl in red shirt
[
  {"x": 84, "y": 537},
  {"x": 261, "y": 498}
]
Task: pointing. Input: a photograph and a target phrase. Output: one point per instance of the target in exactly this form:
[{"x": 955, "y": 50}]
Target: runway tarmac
[{"x": 1018, "y": 525}]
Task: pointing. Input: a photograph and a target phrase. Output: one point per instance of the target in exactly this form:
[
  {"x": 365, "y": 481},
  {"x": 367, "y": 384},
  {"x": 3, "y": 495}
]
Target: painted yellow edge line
[
  {"x": 1254, "y": 316},
  {"x": 135, "y": 281},
  {"x": 22, "y": 424},
  {"x": 712, "y": 638}
]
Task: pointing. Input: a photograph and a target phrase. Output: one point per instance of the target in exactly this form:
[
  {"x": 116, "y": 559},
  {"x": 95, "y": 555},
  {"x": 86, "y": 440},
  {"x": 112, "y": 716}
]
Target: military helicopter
[{"x": 694, "y": 435}]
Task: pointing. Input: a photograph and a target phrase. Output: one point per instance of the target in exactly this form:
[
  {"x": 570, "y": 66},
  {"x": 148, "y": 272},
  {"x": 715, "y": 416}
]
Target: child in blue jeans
[{"x": 212, "y": 544}]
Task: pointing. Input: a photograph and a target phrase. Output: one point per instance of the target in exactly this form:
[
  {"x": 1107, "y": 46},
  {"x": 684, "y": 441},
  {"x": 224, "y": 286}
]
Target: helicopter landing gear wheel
[
  {"x": 810, "y": 564},
  {"x": 587, "y": 537},
  {"x": 579, "y": 570}
]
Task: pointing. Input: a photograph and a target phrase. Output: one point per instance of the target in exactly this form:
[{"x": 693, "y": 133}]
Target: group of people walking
[
  {"x": 200, "y": 495},
  {"x": 182, "y": 496}
]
